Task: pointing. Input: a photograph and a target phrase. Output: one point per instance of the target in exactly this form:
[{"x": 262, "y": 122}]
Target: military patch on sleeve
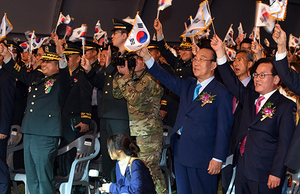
[{"x": 17, "y": 67}]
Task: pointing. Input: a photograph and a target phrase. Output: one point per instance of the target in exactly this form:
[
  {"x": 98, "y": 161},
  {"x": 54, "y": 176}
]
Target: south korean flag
[{"x": 139, "y": 36}]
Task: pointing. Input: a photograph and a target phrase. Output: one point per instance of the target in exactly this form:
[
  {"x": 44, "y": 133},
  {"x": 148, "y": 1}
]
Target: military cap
[
  {"x": 121, "y": 25},
  {"x": 50, "y": 53},
  {"x": 186, "y": 43},
  {"x": 71, "y": 48},
  {"x": 15, "y": 46},
  {"x": 89, "y": 45},
  {"x": 152, "y": 45}
]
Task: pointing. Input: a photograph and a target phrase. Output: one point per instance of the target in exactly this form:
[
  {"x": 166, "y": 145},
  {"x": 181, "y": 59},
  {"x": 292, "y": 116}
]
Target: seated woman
[{"x": 132, "y": 173}]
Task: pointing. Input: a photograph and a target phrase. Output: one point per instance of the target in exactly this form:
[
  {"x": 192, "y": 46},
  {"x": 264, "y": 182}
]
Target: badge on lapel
[
  {"x": 267, "y": 111},
  {"x": 206, "y": 98}
]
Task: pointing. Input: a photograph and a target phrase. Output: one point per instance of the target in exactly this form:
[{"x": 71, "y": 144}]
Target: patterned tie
[
  {"x": 196, "y": 91},
  {"x": 257, "y": 105}
]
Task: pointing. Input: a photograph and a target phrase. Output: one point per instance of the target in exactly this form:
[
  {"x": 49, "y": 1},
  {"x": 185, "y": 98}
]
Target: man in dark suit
[
  {"x": 266, "y": 127},
  {"x": 7, "y": 94},
  {"x": 41, "y": 124},
  {"x": 292, "y": 80},
  {"x": 200, "y": 136}
]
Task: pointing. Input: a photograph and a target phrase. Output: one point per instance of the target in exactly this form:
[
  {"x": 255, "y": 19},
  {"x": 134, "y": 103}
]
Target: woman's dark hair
[{"x": 122, "y": 141}]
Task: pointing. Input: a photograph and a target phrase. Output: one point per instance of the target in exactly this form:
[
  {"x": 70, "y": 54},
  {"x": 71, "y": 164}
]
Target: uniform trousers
[
  {"x": 150, "y": 151},
  {"x": 4, "y": 173},
  {"x": 39, "y": 155}
]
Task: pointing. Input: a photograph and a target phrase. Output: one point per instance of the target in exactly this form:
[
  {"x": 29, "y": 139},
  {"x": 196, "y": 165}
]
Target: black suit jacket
[
  {"x": 7, "y": 95},
  {"x": 292, "y": 80},
  {"x": 267, "y": 140}
]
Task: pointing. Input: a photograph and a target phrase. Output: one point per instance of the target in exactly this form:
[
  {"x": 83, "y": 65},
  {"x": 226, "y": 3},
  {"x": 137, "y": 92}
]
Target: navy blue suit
[
  {"x": 7, "y": 93},
  {"x": 205, "y": 133},
  {"x": 292, "y": 80},
  {"x": 268, "y": 140}
]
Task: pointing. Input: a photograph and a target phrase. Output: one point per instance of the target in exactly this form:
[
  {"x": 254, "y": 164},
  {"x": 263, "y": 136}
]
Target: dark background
[{"x": 42, "y": 15}]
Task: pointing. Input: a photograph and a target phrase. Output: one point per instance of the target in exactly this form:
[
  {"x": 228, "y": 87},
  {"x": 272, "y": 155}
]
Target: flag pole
[
  {"x": 212, "y": 21},
  {"x": 83, "y": 43},
  {"x": 255, "y": 33},
  {"x": 157, "y": 16}
]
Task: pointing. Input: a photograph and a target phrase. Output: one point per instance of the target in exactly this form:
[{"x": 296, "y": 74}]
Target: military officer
[
  {"x": 76, "y": 112},
  {"x": 143, "y": 94},
  {"x": 113, "y": 112},
  {"x": 41, "y": 124},
  {"x": 182, "y": 64}
]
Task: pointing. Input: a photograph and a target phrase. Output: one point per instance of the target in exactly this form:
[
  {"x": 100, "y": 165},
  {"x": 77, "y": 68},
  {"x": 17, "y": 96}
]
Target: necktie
[
  {"x": 234, "y": 100},
  {"x": 196, "y": 91},
  {"x": 257, "y": 105}
]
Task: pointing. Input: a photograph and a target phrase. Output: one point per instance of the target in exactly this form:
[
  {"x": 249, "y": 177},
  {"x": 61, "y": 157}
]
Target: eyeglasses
[
  {"x": 261, "y": 75},
  {"x": 200, "y": 59}
]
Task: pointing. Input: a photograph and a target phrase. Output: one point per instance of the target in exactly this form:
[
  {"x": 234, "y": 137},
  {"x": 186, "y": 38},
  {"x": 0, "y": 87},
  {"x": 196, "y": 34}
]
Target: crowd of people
[{"x": 245, "y": 109}]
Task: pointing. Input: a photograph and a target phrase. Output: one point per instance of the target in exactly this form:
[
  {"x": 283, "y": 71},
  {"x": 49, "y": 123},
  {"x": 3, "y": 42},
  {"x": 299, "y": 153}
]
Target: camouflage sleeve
[
  {"x": 138, "y": 92},
  {"x": 116, "y": 89}
]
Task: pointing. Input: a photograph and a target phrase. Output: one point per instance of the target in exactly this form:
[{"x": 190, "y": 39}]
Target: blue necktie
[{"x": 196, "y": 91}]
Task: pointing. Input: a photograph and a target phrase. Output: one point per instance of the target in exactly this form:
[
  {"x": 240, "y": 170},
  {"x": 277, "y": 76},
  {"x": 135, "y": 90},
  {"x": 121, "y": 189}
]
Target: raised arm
[{"x": 288, "y": 76}]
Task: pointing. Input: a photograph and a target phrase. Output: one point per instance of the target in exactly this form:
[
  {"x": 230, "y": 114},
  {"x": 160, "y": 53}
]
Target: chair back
[{"x": 15, "y": 136}]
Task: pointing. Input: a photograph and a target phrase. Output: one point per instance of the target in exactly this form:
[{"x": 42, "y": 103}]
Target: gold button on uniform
[
  {"x": 31, "y": 110},
  {"x": 180, "y": 76},
  {"x": 108, "y": 84},
  {"x": 106, "y": 92},
  {"x": 35, "y": 89},
  {"x": 32, "y": 103},
  {"x": 33, "y": 96},
  {"x": 50, "y": 116},
  {"x": 109, "y": 76}
]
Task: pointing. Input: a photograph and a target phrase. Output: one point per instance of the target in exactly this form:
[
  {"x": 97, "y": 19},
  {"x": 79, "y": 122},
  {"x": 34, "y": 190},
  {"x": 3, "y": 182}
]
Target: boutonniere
[
  {"x": 75, "y": 80},
  {"x": 268, "y": 111},
  {"x": 48, "y": 84},
  {"x": 206, "y": 98}
]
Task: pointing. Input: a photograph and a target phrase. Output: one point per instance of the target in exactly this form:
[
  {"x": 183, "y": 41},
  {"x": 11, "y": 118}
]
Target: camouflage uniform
[{"x": 143, "y": 96}]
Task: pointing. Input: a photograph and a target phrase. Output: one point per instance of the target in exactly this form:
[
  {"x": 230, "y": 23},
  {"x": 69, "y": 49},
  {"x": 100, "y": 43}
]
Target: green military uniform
[
  {"x": 41, "y": 124},
  {"x": 77, "y": 105},
  {"x": 143, "y": 95},
  {"x": 113, "y": 113},
  {"x": 182, "y": 69}
]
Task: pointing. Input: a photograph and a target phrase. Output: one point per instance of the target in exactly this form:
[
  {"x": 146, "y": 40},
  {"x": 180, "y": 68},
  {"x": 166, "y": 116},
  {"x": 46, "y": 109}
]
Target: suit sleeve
[
  {"x": 286, "y": 131},
  {"x": 7, "y": 93},
  {"x": 288, "y": 76},
  {"x": 232, "y": 82},
  {"x": 224, "y": 126},
  {"x": 166, "y": 53},
  {"x": 85, "y": 100},
  {"x": 173, "y": 83}
]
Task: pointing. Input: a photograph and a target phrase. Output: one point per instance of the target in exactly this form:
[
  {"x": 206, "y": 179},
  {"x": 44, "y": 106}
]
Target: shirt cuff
[
  {"x": 160, "y": 37},
  {"x": 221, "y": 61},
  {"x": 215, "y": 159},
  {"x": 7, "y": 60},
  {"x": 281, "y": 56},
  {"x": 150, "y": 63}
]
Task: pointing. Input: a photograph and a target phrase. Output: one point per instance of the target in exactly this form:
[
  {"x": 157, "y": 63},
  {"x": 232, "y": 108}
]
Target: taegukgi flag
[
  {"x": 201, "y": 21},
  {"x": 79, "y": 33},
  {"x": 5, "y": 27},
  {"x": 138, "y": 37}
]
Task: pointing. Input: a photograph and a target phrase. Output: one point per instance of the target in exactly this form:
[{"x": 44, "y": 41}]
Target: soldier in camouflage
[{"x": 143, "y": 94}]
